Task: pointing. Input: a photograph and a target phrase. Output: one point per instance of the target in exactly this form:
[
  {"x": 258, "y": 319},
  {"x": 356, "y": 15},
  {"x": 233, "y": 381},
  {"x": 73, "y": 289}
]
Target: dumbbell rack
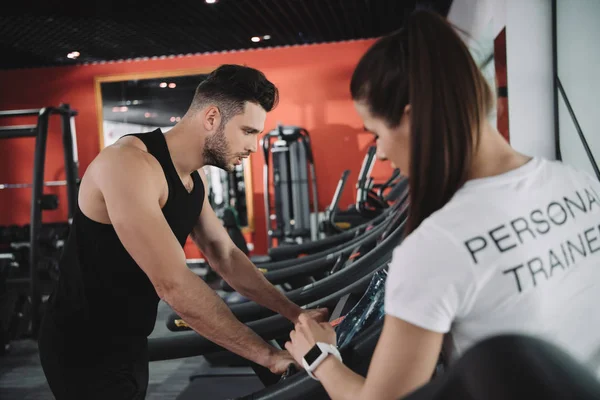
[{"x": 39, "y": 131}]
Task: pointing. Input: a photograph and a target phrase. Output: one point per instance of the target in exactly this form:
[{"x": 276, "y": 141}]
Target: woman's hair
[{"x": 427, "y": 65}]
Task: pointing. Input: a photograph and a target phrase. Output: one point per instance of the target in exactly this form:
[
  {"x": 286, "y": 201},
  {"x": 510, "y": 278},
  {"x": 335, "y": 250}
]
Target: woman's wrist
[{"x": 327, "y": 367}]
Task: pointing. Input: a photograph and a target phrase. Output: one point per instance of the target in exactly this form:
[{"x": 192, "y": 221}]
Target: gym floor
[{"x": 22, "y": 378}]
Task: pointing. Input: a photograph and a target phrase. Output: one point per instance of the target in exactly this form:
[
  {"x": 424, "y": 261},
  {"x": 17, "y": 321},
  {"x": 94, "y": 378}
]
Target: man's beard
[{"x": 216, "y": 150}]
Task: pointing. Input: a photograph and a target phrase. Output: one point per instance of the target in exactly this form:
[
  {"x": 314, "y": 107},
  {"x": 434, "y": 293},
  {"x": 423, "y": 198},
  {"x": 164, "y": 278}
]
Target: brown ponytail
[{"x": 428, "y": 66}]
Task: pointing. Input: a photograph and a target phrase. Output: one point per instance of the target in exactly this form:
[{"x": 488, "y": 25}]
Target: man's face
[{"x": 235, "y": 140}]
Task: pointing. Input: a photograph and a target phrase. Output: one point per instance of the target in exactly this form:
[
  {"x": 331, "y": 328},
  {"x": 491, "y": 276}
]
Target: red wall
[{"x": 314, "y": 87}]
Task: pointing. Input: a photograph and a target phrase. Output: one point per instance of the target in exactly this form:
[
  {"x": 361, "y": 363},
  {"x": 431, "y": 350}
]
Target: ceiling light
[
  {"x": 255, "y": 39},
  {"x": 211, "y": 1},
  {"x": 163, "y": 84},
  {"x": 73, "y": 55},
  {"x": 172, "y": 85},
  {"x": 266, "y": 37}
]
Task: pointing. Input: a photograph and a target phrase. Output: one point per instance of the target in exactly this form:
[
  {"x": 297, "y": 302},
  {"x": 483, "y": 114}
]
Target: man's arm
[
  {"x": 132, "y": 202},
  {"x": 233, "y": 265}
]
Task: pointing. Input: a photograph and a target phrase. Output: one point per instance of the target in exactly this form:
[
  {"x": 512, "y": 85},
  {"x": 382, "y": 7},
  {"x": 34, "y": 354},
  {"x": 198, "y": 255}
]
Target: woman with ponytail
[{"x": 497, "y": 242}]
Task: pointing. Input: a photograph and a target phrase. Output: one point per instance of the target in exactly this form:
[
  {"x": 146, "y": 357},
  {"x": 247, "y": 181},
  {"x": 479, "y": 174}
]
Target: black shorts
[{"x": 75, "y": 369}]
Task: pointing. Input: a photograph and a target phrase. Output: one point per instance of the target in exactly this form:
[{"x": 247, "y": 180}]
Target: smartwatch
[{"x": 317, "y": 355}]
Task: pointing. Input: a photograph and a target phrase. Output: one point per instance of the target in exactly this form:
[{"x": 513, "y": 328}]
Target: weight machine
[
  {"x": 39, "y": 201},
  {"x": 371, "y": 198},
  {"x": 293, "y": 178}
]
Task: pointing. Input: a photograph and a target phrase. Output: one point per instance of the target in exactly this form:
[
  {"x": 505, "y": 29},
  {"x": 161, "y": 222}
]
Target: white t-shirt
[{"x": 513, "y": 253}]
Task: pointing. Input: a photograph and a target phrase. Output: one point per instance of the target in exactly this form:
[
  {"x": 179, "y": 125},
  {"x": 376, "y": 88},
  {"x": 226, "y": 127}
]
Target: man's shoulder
[
  {"x": 128, "y": 156},
  {"x": 125, "y": 163}
]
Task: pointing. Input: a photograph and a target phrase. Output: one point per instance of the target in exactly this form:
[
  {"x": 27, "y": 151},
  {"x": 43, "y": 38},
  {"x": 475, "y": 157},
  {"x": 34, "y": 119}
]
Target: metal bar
[
  {"x": 28, "y": 185},
  {"x": 17, "y": 131},
  {"x": 265, "y": 143},
  {"x": 578, "y": 128},
  {"x": 558, "y": 152},
  {"x": 13, "y": 281},
  {"x": 15, "y": 113},
  {"x": 71, "y": 168},
  {"x": 36, "y": 215}
]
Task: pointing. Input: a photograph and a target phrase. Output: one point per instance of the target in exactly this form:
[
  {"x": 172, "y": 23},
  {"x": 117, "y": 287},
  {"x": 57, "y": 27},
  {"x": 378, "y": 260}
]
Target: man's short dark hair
[{"x": 230, "y": 86}]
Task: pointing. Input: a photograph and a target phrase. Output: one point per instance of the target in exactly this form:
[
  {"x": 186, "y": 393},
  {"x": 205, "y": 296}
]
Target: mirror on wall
[{"x": 143, "y": 103}]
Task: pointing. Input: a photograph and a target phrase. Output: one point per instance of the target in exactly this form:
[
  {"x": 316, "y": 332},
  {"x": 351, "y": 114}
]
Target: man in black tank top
[{"x": 138, "y": 202}]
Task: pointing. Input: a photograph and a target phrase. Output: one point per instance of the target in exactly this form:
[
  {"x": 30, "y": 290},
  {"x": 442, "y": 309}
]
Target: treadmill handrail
[
  {"x": 280, "y": 275},
  {"x": 191, "y": 344},
  {"x": 316, "y": 289},
  {"x": 272, "y": 266},
  {"x": 284, "y": 253},
  {"x": 324, "y": 249},
  {"x": 348, "y": 275},
  {"x": 333, "y": 209},
  {"x": 314, "y": 264},
  {"x": 287, "y": 263}
]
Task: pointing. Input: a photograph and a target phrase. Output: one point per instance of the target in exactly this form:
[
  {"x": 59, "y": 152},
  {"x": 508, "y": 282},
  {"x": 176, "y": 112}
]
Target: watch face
[{"x": 313, "y": 354}]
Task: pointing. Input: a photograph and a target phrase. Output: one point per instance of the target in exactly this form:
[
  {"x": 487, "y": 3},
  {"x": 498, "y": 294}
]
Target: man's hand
[
  {"x": 280, "y": 361},
  {"x": 319, "y": 315}
]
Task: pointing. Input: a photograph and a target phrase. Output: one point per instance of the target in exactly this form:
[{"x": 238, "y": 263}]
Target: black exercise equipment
[
  {"x": 336, "y": 258},
  {"x": 293, "y": 179},
  {"x": 337, "y": 283},
  {"x": 515, "y": 367},
  {"x": 231, "y": 224},
  {"x": 227, "y": 189},
  {"x": 371, "y": 198},
  {"x": 356, "y": 270},
  {"x": 318, "y": 250},
  {"x": 190, "y": 344},
  {"x": 39, "y": 201},
  {"x": 356, "y": 355},
  {"x": 356, "y": 352},
  {"x": 334, "y": 261},
  {"x": 340, "y": 295},
  {"x": 396, "y": 192},
  {"x": 325, "y": 252},
  {"x": 324, "y": 249}
]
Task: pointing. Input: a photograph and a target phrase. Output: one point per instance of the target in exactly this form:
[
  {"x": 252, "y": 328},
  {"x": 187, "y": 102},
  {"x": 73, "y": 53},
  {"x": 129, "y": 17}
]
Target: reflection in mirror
[
  {"x": 142, "y": 105},
  {"x": 145, "y": 104}
]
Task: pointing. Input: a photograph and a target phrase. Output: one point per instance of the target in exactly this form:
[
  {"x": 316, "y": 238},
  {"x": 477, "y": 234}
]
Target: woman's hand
[{"x": 306, "y": 334}]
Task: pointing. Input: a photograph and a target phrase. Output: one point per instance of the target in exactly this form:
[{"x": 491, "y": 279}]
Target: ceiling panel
[{"x": 43, "y": 33}]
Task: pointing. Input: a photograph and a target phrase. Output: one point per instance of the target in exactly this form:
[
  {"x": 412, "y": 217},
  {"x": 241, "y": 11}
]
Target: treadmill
[
  {"x": 366, "y": 264},
  {"x": 361, "y": 313}
]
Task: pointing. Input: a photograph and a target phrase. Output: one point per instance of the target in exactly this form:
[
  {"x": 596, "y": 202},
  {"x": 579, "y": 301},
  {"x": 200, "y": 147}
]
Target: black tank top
[{"x": 101, "y": 290}]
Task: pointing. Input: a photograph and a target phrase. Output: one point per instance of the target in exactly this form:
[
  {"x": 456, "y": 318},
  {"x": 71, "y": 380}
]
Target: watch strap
[{"x": 317, "y": 355}]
